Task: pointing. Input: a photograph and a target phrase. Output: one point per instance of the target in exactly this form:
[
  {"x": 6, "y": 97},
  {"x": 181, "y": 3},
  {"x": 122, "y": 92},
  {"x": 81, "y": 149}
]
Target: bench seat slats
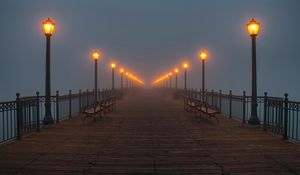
[
  {"x": 101, "y": 106},
  {"x": 196, "y": 105}
]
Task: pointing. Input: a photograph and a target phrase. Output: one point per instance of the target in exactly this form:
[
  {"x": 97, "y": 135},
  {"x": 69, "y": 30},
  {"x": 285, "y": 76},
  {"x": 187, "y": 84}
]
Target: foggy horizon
[{"x": 149, "y": 38}]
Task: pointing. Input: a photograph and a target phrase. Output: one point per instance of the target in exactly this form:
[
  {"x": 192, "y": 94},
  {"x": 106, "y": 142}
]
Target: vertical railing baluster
[
  {"x": 220, "y": 101},
  {"x": 19, "y": 115},
  {"x": 244, "y": 107},
  {"x": 265, "y": 110},
  {"x": 212, "y": 98},
  {"x": 70, "y": 103},
  {"x": 206, "y": 98},
  {"x": 37, "y": 111},
  {"x": 57, "y": 106},
  {"x": 87, "y": 97},
  {"x": 230, "y": 104},
  {"x": 79, "y": 98},
  {"x": 285, "y": 129}
]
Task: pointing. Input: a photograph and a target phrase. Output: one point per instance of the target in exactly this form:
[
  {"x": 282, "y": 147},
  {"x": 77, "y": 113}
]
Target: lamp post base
[
  {"x": 253, "y": 120},
  {"x": 48, "y": 120}
]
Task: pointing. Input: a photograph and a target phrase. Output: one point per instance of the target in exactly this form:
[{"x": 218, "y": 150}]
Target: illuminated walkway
[{"x": 150, "y": 134}]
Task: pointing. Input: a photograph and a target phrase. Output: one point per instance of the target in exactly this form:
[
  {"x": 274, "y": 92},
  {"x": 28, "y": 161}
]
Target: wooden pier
[{"x": 149, "y": 133}]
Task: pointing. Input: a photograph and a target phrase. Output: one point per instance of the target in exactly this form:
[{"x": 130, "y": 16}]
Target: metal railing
[
  {"x": 276, "y": 114},
  {"x": 25, "y": 114}
]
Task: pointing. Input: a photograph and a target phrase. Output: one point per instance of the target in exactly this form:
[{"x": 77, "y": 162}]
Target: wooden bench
[
  {"x": 94, "y": 111},
  {"x": 109, "y": 104},
  {"x": 208, "y": 111},
  {"x": 198, "y": 106},
  {"x": 102, "y": 107},
  {"x": 190, "y": 104}
]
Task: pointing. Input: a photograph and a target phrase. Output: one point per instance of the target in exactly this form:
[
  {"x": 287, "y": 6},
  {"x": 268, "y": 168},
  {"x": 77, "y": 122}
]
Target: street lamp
[
  {"x": 185, "y": 66},
  {"x": 48, "y": 26},
  {"x": 121, "y": 72},
  {"x": 170, "y": 78},
  {"x": 113, "y": 65},
  {"x": 166, "y": 81},
  {"x": 203, "y": 56},
  {"x": 176, "y": 72},
  {"x": 127, "y": 74},
  {"x": 96, "y": 56},
  {"x": 253, "y": 29},
  {"x": 130, "y": 80}
]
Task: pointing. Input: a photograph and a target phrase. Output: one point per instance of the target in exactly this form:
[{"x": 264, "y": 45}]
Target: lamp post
[
  {"x": 253, "y": 29},
  {"x": 166, "y": 81},
  {"x": 113, "y": 65},
  {"x": 170, "y": 78},
  {"x": 121, "y": 72},
  {"x": 203, "y": 56},
  {"x": 185, "y": 66},
  {"x": 49, "y": 27},
  {"x": 130, "y": 81},
  {"x": 127, "y": 74},
  {"x": 96, "y": 56},
  {"x": 176, "y": 72}
]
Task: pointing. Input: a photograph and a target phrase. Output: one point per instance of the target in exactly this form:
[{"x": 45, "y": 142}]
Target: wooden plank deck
[{"x": 150, "y": 134}]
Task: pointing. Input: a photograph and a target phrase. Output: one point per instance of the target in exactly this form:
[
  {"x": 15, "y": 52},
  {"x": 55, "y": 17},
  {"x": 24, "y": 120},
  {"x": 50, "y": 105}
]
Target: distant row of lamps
[
  {"x": 253, "y": 29},
  {"x": 49, "y": 27}
]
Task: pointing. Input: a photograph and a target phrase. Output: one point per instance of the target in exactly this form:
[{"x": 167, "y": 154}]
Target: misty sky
[{"x": 150, "y": 37}]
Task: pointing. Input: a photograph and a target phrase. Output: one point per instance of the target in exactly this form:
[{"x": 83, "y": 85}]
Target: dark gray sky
[{"x": 150, "y": 37}]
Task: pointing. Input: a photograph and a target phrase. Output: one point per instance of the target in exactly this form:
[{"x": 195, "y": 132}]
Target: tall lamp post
[
  {"x": 121, "y": 72},
  {"x": 127, "y": 74},
  {"x": 96, "y": 56},
  {"x": 176, "y": 73},
  {"x": 185, "y": 66},
  {"x": 130, "y": 81},
  {"x": 170, "y": 78},
  {"x": 253, "y": 29},
  {"x": 203, "y": 56},
  {"x": 113, "y": 65},
  {"x": 49, "y": 27},
  {"x": 166, "y": 81}
]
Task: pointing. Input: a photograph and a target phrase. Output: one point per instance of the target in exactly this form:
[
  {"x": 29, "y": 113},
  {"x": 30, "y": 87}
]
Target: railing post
[
  {"x": 206, "y": 95},
  {"x": 57, "y": 106},
  {"x": 37, "y": 111},
  {"x": 94, "y": 96},
  {"x": 70, "y": 103},
  {"x": 244, "y": 107},
  {"x": 19, "y": 115},
  {"x": 99, "y": 95},
  {"x": 220, "y": 101},
  {"x": 212, "y": 97},
  {"x": 79, "y": 98},
  {"x": 200, "y": 94},
  {"x": 87, "y": 97},
  {"x": 265, "y": 110},
  {"x": 230, "y": 104},
  {"x": 285, "y": 129}
]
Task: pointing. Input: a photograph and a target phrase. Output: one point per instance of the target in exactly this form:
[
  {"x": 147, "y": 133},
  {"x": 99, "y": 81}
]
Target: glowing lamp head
[
  {"x": 203, "y": 55},
  {"x": 176, "y": 70},
  {"x": 185, "y": 65},
  {"x": 96, "y": 55},
  {"x": 113, "y": 65},
  {"x": 48, "y": 26},
  {"x": 121, "y": 70},
  {"x": 170, "y": 73},
  {"x": 253, "y": 27},
  {"x": 127, "y": 73}
]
